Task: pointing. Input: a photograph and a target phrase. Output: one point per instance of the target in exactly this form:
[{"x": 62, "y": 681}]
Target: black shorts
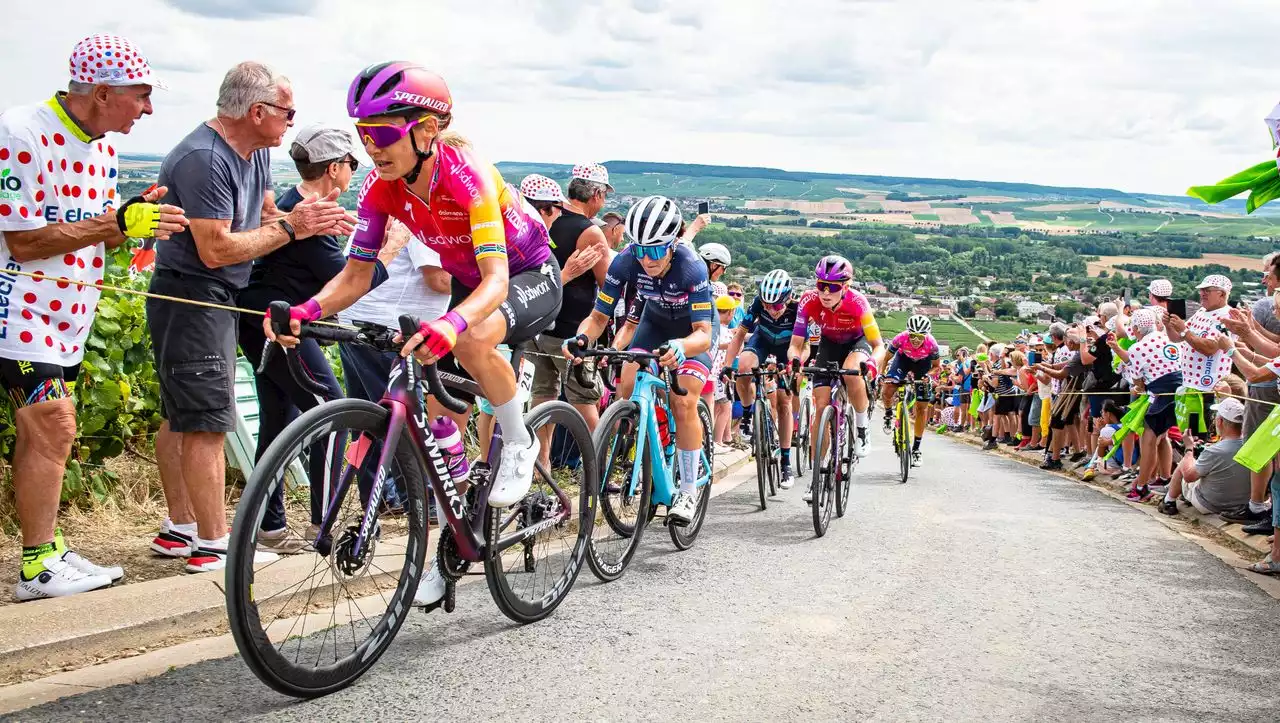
[
  {"x": 834, "y": 352},
  {"x": 1008, "y": 403},
  {"x": 532, "y": 303},
  {"x": 195, "y": 352},
  {"x": 29, "y": 382},
  {"x": 1160, "y": 422}
]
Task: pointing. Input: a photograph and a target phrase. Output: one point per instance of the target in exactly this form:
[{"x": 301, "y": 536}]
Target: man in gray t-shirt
[
  {"x": 221, "y": 172},
  {"x": 1214, "y": 482}
]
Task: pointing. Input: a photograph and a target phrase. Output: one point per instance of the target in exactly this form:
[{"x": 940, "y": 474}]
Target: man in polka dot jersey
[
  {"x": 1154, "y": 366},
  {"x": 59, "y": 215},
  {"x": 1204, "y": 361}
]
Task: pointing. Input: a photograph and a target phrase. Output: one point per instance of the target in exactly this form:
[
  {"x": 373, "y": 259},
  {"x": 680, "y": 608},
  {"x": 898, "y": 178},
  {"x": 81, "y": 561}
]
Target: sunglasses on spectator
[
  {"x": 736, "y": 294},
  {"x": 830, "y": 287},
  {"x": 350, "y": 162},
  {"x": 382, "y": 135},
  {"x": 653, "y": 253},
  {"x": 289, "y": 113}
]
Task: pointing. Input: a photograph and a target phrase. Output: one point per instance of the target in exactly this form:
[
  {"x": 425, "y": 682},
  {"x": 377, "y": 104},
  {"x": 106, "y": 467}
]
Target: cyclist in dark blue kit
[
  {"x": 769, "y": 321},
  {"x": 672, "y": 308}
]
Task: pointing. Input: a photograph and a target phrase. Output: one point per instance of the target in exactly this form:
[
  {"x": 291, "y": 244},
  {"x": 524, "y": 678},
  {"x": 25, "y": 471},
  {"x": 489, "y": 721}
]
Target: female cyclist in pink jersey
[{"x": 506, "y": 283}]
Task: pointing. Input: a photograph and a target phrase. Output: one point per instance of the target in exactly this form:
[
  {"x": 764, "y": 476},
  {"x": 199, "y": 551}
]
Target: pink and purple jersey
[
  {"x": 928, "y": 349},
  {"x": 850, "y": 320},
  {"x": 470, "y": 214}
]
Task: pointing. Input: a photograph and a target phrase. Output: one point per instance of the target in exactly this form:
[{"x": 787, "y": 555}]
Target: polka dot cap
[
  {"x": 111, "y": 60},
  {"x": 540, "y": 188},
  {"x": 1143, "y": 321}
]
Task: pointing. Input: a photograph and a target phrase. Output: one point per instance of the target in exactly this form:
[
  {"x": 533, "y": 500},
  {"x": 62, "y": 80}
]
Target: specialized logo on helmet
[{"x": 422, "y": 100}]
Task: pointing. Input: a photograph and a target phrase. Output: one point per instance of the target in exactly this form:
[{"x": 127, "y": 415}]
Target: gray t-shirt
[
  {"x": 1224, "y": 482},
  {"x": 208, "y": 179},
  {"x": 1264, "y": 314}
]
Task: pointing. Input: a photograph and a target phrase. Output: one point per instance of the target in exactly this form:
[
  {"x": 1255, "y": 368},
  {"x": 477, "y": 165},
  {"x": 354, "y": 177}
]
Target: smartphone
[
  {"x": 1178, "y": 308},
  {"x": 1128, "y": 299},
  {"x": 703, "y": 207}
]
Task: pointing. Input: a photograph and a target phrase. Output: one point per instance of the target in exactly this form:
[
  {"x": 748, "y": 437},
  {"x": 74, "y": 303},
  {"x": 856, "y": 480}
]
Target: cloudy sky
[{"x": 1137, "y": 95}]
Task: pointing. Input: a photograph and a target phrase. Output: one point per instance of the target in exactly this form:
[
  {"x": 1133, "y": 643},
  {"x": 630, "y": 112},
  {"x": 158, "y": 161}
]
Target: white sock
[
  {"x": 1257, "y": 507},
  {"x": 1168, "y": 496},
  {"x": 511, "y": 417},
  {"x": 218, "y": 544},
  {"x": 186, "y": 528},
  {"x": 688, "y": 461},
  {"x": 861, "y": 418}
]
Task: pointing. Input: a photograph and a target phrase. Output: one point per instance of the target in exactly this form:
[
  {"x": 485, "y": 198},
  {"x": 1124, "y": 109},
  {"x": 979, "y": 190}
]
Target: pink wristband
[
  {"x": 308, "y": 310},
  {"x": 454, "y": 318}
]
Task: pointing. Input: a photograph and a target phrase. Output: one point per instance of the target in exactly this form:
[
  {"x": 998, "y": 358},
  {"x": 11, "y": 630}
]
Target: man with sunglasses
[
  {"x": 849, "y": 337},
  {"x": 220, "y": 174},
  {"x": 913, "y": 352},
  {"x": 506, "y": 284},
  {"x": 672, "y": 309},
  {"x": 770, "y": 322}
]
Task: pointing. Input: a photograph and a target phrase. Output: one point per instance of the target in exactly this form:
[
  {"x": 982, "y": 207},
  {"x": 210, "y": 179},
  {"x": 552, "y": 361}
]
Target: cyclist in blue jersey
[
  {"x": 769, "y": 321},
  {"x": 672, "y": 308}
]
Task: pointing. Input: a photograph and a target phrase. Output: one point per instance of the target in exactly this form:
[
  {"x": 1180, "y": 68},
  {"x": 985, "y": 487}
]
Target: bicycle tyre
[
  {"x": 759, "y": 451},
  {"x": 845, "y": 483},
  {"x": 771, "y": 451},
  {"x": 800, "y": 449},
  {"x": 511, "y": 604},
  {"x": 604, "y": 568},
  {"x": 683, "y": 536},
  {"x": 257, "y": 649},
  {"x": 904, "y": 449},
  {"x": 825, "y": 466}
]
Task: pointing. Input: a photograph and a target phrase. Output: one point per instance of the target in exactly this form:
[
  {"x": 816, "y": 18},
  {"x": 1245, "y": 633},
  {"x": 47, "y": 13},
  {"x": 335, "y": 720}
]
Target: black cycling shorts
[
  {"x": 532, "y": 303},
  {"x": 29, "y": 382},
  {"x": 835, "y": 352}
]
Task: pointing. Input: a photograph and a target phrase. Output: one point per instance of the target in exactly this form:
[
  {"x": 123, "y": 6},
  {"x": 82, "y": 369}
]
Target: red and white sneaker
[
  {"x": 172, "y": 542},
  {"x": 211, "y": 556}
]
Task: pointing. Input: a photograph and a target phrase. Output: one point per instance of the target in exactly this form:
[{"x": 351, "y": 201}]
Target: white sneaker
[
  {"x": 212, "y": 559},
  {"x": 74, "y": 559},
  {"x": 515, "y": 474},
  {"x": 58, "y": 579},
  {"x": 683, "y": 507},
  {"x": 788, "y": 480},
  {"x": 430, "y": 587}
]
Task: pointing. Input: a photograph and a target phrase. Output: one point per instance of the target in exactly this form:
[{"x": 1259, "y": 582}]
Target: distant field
[
  {"x": 1231, "y": 261},
  {"x": 950, "y": 333},
  {"x": 1004, "y": 330}
]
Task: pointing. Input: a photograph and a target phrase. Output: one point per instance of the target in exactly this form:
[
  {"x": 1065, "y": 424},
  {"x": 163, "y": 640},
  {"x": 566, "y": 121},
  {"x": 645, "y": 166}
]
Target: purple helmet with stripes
[
  {"x": 397, "y": 87},
  {"x": 834, "y": 268}
]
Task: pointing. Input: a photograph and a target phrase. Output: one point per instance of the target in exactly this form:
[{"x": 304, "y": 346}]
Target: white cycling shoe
[
  {"x": 683, "y": 507},
  {"x": 787, "y": 481},
  {"x": 515, "y": 473},
  {"x": 430, "y": 587}
]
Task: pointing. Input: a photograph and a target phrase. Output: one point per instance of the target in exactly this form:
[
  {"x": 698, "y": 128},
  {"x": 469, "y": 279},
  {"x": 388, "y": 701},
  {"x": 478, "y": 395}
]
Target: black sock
[{"x": 915, "y": 447}]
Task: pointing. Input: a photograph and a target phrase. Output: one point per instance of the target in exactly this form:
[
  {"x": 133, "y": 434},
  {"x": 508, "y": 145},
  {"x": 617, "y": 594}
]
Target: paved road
[{"x": 981, "y": 590}]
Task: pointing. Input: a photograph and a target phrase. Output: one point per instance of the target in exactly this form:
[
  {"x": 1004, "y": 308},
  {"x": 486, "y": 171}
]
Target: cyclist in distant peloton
[
  {"x": 849, "y": 337},
  {"x": 916, "y": 352},
  {"x": 770, "y": 321},
  {"x": 672, "y": 308}
]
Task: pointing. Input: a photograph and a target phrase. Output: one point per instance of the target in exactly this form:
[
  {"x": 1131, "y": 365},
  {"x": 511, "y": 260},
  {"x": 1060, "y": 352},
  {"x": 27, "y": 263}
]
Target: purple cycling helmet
[
  {"x": 397, "y": 87},
  {"x": 834, "y": 268}
]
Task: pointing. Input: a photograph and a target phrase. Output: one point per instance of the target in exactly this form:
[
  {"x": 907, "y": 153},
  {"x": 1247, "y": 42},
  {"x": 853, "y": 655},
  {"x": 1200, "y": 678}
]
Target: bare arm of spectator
[
  {"x": 56, "y": 239},
  {"x": 219, "y": 247},
  {"x": 1255, "y": 373},
  {"x": 270, "y": 214},
  {"x": 585, "y": 258},
  {"x": 698, "y": 223},
  {"x": 1243, "y": 325}
]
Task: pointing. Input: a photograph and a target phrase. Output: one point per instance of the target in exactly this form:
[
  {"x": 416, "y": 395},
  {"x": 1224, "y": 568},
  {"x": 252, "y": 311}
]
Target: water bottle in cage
[
  {"x": 449, "y": 439},
  {"x": 664, "y": 429}
]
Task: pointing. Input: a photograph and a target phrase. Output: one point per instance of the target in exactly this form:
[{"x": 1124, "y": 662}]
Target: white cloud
[{"x": 1142, "y": 95}]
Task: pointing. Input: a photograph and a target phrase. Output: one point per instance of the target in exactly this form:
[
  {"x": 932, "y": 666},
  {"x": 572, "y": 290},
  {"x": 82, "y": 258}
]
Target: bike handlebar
[
  {"x": 376, "y": 336},
  {"x": 634, "y": 356}
]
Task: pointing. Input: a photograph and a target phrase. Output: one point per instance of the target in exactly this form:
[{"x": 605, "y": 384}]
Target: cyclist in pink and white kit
[
  {"x": 506, "y": 283},
  {"x": 914, "y": 352}
]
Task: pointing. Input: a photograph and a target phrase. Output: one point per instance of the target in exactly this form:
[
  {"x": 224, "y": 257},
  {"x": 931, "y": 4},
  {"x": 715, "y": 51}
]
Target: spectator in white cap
[
  {"x": 323, "y": 156},
  {"x": 1207, "y": 346},
  {"x": 582, "y": 250},
  {"x": 545, "y": 196},
  {"x": 1213, "y": 482},
  {"x": 59, "y": 216}
]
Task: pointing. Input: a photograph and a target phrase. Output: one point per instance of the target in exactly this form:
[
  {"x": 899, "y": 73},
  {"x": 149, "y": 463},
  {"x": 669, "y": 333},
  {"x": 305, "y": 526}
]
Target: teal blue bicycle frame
[{"x": 647, "y": 387}]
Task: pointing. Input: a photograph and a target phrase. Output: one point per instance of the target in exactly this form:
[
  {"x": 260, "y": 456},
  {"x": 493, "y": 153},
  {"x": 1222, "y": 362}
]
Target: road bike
[
  {"x": 834, "y": 461},
  {"x": 364, "y": 565},
  {"x": 636, "y": 456},
  {"x": 764, "y": 429},
  {"x": 904, "y": 409}
]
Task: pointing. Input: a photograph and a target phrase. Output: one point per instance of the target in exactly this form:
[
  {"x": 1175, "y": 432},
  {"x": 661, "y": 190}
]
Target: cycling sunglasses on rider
[
  {"x": 653, "y": 253},
  {"x": 830, "y": 287},
  {"x": 382, "y": 135}
]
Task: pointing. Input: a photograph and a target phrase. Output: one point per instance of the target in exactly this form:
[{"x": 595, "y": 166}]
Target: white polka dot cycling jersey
[
  {"x": 1198, "y": 370},
  {"x": 1153, "y": 357},
  {"x": 50, "y": 172}
]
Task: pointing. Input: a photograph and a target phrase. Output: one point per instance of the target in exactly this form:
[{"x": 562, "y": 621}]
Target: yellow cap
[{"x": 726, "y": 303}]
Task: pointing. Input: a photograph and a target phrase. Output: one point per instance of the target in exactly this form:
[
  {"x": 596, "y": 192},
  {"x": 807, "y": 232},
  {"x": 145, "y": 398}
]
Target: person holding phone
[{"x": 1206, "y": 358}]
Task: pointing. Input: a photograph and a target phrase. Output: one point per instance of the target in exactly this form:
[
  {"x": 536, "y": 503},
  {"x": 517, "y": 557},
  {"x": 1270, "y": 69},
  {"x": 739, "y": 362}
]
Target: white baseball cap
[
  {"x": 320, "y": 143},
  {"x": 1161, "y": 287},
  {"x": 1216, "y": 281},
  {"x": 592, "y": 172},
  {"x": 1230, "y": 409},
  {"x": 540, "y": 188},
  {"x": 111, "y": 60}
]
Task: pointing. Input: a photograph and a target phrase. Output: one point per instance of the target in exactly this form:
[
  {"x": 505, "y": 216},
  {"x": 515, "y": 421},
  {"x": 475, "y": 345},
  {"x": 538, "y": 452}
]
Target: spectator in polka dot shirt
[
  {"x": 59, "y": 216},
  {"x": 1154, "y": 367}
]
